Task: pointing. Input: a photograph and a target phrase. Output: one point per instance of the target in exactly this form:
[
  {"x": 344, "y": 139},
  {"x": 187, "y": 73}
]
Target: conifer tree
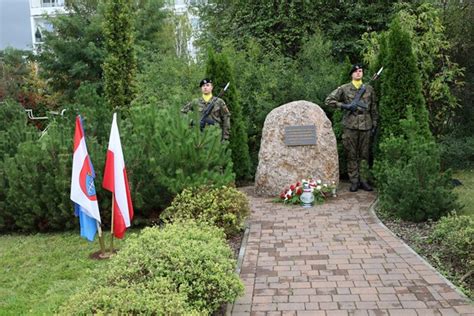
[
  {"x": 120, "y": 61},
  {"x": 219, "y": 70},
  {"x": 401, "y": 86}
]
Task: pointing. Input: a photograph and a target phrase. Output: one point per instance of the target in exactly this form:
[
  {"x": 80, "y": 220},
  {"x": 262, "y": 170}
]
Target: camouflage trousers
[{"x": 356, "y": 145}]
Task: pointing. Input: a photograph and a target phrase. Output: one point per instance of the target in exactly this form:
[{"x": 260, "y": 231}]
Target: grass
[
  {"x": 466, "y": 191},
  {"x": 40, "y": 272}
]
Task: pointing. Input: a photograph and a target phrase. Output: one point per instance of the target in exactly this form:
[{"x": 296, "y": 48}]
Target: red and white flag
[{"x": 116, "y": 181}]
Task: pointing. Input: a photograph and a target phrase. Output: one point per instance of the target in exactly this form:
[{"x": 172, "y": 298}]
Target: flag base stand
[{"x": 98, "y": 255}]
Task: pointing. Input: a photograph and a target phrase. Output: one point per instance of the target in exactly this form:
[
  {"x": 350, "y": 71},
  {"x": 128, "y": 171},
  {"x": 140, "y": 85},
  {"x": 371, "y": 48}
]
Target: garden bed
[{"x": 418, "y": 237}]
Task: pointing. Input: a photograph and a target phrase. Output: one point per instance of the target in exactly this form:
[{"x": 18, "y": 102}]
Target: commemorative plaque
[{"x": 300, "y": 135}]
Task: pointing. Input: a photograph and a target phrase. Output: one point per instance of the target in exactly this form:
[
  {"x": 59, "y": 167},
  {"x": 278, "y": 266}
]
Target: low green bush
[
  {"x": 224, "y": 207},
  {"x": 455, "y": 235},
  {"x": 156, "y": 297},
  {"x": 409, "y": 179},
  {"x": 457, "y": 152},
  {"x": 183, "y": 268},
  {"x": 166, "y": 154},
  {"x": 13, "y": 132}
]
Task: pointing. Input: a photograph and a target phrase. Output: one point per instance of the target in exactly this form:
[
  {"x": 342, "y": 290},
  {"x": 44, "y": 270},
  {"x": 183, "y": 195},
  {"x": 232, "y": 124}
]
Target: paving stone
[{"x": 336, "y": 259}]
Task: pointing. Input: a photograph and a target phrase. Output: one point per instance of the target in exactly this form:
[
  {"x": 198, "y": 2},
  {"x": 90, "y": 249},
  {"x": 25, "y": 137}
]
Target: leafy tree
[
  {"x": 458, "y": 19},
  {"x": 14, "y": 68},
  {"x": 219, "y": 69},
  {"x": 283, "y": 26},
  {"x": 440, "y": 76},
  {"x": 74, "y": 52},
  {"x": 120, "y": 62},
  {"x": 166, "y": 80}
]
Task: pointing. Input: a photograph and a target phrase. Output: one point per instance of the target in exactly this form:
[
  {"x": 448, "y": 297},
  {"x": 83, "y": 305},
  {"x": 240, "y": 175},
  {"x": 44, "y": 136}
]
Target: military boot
[
  {"x": 354, "y": 187},
  {"x": 365, "y": 186}
]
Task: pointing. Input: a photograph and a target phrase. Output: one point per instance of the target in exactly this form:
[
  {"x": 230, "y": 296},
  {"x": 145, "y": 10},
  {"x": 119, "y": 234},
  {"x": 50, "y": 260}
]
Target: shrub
[
  {"x": 12, "y": 135},
  {"x": 156, "y": 297},
  {"x": 39, "y": 183},
  {"x": 457, "y": 151},
  {"x": 455, "y": 235},
  {"x": 224, "y": 207},
  {"x": 188, "y": 263},
  {"x": 409, "y": 179},
  {"x": 39, "y": 180},
  {"x": 165, "y": 155}
]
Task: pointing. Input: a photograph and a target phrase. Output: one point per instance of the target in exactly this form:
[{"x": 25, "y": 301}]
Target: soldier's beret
[
  {"x": 204, "y": 81},
  {"x": 355, "y": 67}
]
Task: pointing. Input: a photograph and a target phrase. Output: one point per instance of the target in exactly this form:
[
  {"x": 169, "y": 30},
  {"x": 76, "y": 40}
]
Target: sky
[{"x": 15, "y": 29}]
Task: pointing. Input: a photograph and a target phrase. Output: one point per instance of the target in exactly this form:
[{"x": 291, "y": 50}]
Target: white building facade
[{"x": 38, "y": 8}]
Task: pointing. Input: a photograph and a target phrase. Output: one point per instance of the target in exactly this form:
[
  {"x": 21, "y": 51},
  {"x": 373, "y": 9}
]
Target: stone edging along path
[{"x": 335, "y": 259}]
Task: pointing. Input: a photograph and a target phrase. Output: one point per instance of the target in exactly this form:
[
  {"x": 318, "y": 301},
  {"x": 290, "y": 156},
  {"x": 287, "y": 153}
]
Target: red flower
[
  {"x": 292, "y": 187},
  {"x": 298, "y": 184},
  {"x": 282, "y": 195},
  {"x": 299, "y": 191}
]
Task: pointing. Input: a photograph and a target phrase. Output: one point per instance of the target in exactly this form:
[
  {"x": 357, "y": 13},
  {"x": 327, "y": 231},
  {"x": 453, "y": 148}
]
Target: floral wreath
[{"x": 321, "y": 191}]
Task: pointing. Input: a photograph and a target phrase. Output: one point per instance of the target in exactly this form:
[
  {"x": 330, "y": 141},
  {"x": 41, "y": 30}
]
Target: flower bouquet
[{"x": 293, "y": 194}]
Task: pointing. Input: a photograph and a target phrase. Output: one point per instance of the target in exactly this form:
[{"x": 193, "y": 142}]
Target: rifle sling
[
  {"x": 359, "y": 94},
  {"x": 209, "y": 108}
]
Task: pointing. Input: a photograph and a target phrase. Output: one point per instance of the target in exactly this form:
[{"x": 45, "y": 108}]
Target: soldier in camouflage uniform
[
  {"x": 359, "y": 124},
  {"x": 220, "y": 113}
]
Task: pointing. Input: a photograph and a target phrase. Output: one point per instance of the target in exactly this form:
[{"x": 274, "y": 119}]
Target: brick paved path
[{"x": 336, "y": 259}]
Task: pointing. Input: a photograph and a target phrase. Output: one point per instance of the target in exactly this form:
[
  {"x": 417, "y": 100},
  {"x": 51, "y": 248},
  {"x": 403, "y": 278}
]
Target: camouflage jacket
[
  {"x": 219, "y": 114},
  {"x": 360, "y": 119}
]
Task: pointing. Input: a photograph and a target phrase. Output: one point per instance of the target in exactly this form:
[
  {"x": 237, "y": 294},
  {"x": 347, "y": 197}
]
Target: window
[{"x": 52, "y": 3}]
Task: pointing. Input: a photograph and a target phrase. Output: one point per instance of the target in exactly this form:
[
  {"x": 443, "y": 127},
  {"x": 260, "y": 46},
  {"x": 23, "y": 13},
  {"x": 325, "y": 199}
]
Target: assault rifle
[
  {"x": 357, "y": 102},
  {"x": 205, "y": 120}
]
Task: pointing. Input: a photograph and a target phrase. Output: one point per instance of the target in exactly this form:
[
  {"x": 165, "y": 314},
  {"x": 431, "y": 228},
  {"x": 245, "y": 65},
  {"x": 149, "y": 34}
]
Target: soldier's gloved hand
[{"x": 349, "y": 107}]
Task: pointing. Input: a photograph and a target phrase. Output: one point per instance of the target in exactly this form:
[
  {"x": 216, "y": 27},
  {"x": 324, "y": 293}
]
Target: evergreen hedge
[
  {"x": 225, "y": 207},
  {"x": 183, "y": 268}
]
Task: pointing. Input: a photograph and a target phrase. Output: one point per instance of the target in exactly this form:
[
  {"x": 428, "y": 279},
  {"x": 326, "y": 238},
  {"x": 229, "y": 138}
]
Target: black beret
[
  {"x": 354, "y": 68},
  {"x": 204, "y": 81}
]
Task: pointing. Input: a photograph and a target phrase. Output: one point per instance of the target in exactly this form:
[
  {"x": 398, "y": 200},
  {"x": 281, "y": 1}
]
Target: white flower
[
  {"x": 325, "y": 185},
  {"x": 318, "y": 187},
  {"x": 318, "y": 181}
]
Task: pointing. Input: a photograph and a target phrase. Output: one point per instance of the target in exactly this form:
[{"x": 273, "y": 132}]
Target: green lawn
[
  {"x": 39, "y": 272},
  {"x": 466, "y": 191}
]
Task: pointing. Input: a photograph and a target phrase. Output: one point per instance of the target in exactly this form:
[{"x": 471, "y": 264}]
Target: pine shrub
[
  {"x": 224, "y": 207},
  {"x": 409, "y": 179},
  {"x": 183, "y": 268},
  {"x": 39, "y": 179},
  {"x": 12, "y": 134},
  {"x": 165, "y": 155}
]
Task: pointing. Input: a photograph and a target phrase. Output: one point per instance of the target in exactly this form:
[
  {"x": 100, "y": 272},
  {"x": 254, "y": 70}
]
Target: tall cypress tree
[
  {"x": 401, "y": 86},
  {"x": 120, "y": 62},
  {"x": 219, "y": 70}
]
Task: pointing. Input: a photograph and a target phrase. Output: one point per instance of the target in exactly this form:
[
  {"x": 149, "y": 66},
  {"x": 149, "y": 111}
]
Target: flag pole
[
  {"x": 101, "y": 240},
  {"x": 112, "y": 226}
]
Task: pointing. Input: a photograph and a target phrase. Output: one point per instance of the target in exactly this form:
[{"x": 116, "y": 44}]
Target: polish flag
[{"x": 116, "y": 181}]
